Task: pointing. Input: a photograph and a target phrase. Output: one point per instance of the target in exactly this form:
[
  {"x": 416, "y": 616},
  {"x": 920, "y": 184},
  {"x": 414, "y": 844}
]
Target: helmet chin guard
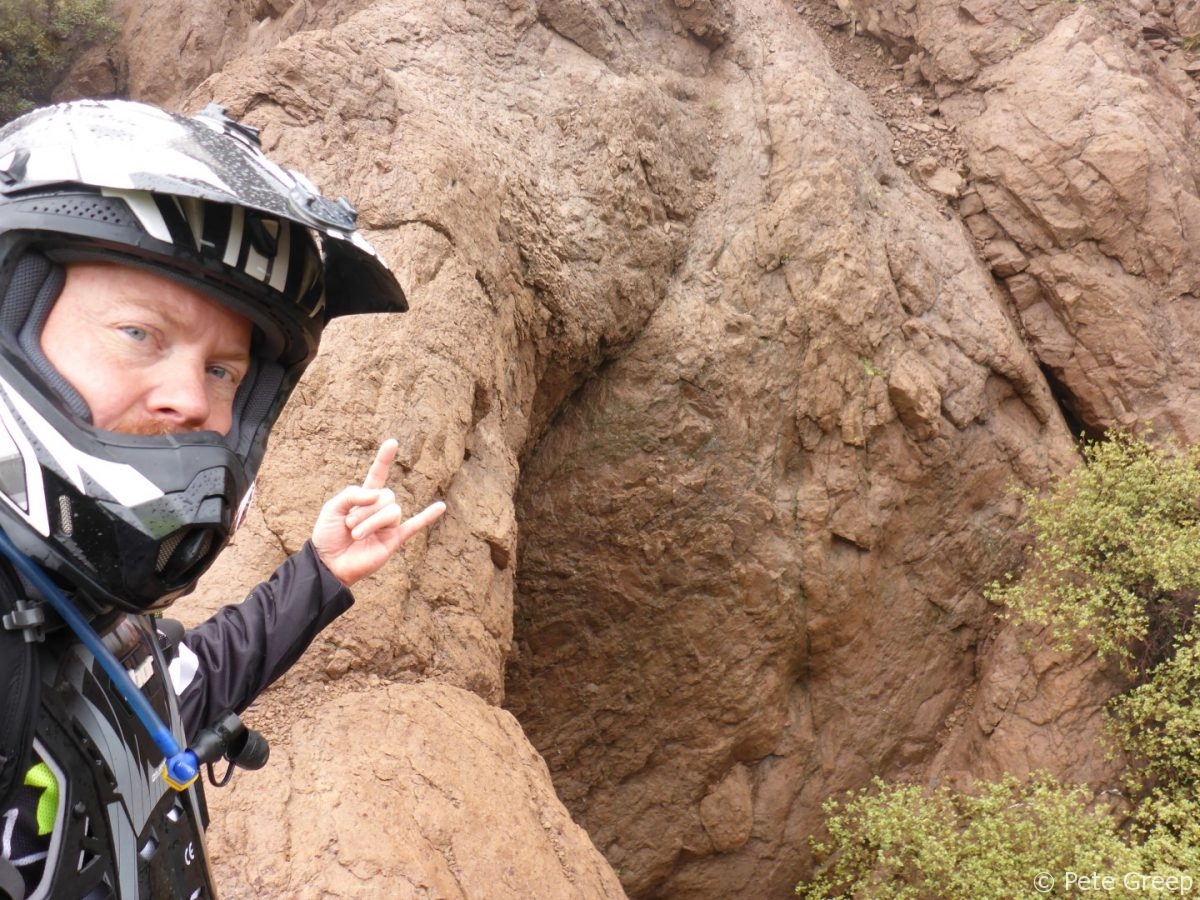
[{"x": 129, "y": 521}]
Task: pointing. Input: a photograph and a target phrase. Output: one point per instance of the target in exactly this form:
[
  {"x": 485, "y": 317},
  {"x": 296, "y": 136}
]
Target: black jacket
[
  {"x": 242, "y": 649},
  {"x": 118, "y": 831}
]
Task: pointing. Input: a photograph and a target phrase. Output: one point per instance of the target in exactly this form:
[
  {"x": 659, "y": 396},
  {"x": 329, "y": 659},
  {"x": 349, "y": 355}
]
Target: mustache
[{"x": 146, "y": 427}]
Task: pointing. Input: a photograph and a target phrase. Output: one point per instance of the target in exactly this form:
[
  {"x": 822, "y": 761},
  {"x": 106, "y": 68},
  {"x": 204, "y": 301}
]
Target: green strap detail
[{"x": 40, "y": 776}]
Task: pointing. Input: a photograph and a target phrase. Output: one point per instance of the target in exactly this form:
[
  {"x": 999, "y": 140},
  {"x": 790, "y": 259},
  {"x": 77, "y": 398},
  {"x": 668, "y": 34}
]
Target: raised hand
[{"x": 359, "y": 528}]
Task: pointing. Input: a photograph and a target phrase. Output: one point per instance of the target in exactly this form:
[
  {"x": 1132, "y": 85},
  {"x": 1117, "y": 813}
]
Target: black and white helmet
[{"x": 128, "y": 521}]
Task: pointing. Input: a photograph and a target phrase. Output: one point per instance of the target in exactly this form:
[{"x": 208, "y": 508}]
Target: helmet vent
[
  {"x": 66, "y": 523},
  {"x": 83, "y": 206},
  {"x": 179, "y": 553},
  {"x": 166, "y": 548}
]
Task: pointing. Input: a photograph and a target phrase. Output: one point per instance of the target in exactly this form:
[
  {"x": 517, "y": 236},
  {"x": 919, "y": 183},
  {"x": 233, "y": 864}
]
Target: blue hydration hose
[{"x": 181, "y": 767}]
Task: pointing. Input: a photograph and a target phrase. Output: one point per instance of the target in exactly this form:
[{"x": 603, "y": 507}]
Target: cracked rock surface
[{"x": 733, "y": 322}]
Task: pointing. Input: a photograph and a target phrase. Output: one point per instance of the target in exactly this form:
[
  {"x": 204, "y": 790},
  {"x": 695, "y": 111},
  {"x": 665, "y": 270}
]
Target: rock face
[
  {"x": 1082, "y": 152},
  {"x": 724, "y": 400},
  {"x": 753, "y": 544},
  {"x": 482, "y": 820}
]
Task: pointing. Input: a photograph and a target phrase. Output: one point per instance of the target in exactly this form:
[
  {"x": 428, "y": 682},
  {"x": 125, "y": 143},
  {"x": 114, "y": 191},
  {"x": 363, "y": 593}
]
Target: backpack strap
[
  {"x": 12, "y": 885},
  {"x": 20, "y": 684}
]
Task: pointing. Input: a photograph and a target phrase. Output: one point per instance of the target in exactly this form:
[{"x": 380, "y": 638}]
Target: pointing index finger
[{"x": 377, "y": 475}]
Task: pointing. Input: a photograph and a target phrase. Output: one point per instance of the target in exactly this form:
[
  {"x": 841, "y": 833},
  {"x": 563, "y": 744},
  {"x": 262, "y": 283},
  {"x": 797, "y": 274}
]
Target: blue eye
[
  {"x": 220, "y": 372},
  {"x": 138, "y": 334}
]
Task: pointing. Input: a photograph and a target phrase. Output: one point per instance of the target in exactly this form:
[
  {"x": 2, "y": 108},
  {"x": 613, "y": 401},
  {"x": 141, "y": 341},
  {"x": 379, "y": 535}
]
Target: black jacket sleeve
[{"x": 231, "y": 658}]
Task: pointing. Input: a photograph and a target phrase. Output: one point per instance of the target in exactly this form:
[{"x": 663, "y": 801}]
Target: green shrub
[
  {"x": 38, "y": 41},
  {"x": 904, "y": 841},
  {"x": 1114, "y": 561},
  {"x": 1115, "y": 553},
  {"x": 1159, "y": 720},
  {"x": 1157, "y": 724}
]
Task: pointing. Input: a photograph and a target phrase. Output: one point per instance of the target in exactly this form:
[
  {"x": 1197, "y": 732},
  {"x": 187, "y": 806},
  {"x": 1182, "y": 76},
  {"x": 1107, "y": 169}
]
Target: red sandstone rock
[{"x": 724, "y": 405}]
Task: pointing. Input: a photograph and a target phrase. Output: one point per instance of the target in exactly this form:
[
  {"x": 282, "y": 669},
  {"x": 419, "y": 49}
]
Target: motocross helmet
[{"x": 130, "y": 522}]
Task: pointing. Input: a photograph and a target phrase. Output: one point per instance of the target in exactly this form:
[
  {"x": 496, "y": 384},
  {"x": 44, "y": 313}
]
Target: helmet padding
[{"x": 32, "y": 291}]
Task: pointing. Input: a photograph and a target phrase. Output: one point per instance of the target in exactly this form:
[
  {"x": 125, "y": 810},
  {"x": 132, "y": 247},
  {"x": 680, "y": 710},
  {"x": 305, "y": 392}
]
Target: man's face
[{"x": 148, "y": 355}]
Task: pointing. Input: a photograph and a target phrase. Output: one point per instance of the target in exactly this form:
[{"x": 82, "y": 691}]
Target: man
[{"x": 163, "y": 285}]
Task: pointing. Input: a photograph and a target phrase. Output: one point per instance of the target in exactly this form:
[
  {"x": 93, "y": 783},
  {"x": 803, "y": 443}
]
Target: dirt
[
  {"x": 923, "y": 143},
  {"x": 927, "y": 145}
]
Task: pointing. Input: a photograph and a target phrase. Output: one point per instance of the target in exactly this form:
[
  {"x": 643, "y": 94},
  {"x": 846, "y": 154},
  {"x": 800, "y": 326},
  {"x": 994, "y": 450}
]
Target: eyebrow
[{"x": 134, "y": 302}]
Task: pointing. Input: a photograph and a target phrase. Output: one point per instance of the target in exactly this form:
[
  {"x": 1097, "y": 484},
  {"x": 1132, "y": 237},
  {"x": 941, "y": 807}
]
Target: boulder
[{"x": 362, "y": 799}]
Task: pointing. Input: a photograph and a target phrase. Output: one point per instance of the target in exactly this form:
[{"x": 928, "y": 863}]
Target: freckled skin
[{"x": 147, "y": 354}]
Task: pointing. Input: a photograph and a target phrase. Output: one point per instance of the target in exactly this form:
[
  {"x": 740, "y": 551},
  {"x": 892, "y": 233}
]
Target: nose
[{"x": 179, "y": 399}]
